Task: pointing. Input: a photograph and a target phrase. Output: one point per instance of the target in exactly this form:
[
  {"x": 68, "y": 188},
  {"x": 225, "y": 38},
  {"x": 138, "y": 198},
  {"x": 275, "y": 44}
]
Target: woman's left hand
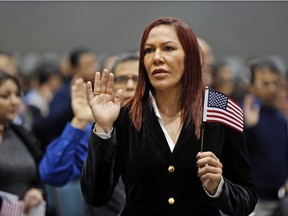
[
  {"x": 209, "y": 170},
  {"x": 32, "y": 198}
]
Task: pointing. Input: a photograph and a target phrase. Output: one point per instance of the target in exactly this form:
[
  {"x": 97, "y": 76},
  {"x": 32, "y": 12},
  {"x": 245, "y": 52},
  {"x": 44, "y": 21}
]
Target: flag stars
[{"x": 217, "y": 100}]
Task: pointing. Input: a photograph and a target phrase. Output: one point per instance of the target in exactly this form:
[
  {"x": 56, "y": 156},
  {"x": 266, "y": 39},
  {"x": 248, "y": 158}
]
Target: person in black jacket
[
  {"x": 20, "y": 151},
  {"x": 154, "y": 141}
]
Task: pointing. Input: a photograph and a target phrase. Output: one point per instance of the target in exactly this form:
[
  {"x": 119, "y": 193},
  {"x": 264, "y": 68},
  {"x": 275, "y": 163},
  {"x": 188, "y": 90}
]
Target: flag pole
[
  {"x": 204, "y": 117},
  {"x": 202, "y": 137}
]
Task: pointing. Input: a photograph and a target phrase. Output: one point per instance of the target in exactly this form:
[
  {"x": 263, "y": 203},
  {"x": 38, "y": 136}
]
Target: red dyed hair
[{"x": 193, "y": 87}]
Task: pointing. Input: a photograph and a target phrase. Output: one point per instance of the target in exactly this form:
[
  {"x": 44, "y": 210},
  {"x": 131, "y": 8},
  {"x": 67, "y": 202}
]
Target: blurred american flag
[
  {"x": 11, "y": 205},
  {"x": 219, "y": 108}
]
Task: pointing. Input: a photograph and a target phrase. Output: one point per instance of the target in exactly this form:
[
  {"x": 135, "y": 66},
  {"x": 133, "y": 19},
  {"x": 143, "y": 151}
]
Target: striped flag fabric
[
  {"x": 11, "y": 205},
  {"x": 219, "y": 108}
]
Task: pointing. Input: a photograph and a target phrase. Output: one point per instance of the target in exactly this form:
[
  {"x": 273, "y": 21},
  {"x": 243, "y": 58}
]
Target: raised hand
[
  {"x": 209, "y": 171},
  {"x": 82, "y": 112},
  {"x": 104, "y": 104},
  {"x": 251, "y": 112}
]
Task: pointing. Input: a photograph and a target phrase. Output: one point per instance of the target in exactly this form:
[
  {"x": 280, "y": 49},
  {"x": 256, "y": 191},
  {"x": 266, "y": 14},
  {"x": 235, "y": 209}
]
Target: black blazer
[{"x": 152, "y": 188}]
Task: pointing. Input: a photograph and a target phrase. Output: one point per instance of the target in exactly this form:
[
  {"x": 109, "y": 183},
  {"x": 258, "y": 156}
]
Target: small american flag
[
  {"x": 220, "y": 108},
  {"x": 11, "y": 205}
]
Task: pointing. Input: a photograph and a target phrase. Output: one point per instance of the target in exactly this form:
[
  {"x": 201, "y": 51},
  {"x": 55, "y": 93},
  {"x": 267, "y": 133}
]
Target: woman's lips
[{"x": 158, "y": 73}]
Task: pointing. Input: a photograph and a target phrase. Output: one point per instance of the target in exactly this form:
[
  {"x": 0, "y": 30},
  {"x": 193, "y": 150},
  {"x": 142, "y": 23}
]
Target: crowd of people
[{"x": 136, "y": 160}]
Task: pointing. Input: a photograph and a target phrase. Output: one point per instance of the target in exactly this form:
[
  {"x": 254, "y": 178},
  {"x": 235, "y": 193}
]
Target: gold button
[
  {"x": 171, "y": 169},
  {"x": 171, "y": 201}
]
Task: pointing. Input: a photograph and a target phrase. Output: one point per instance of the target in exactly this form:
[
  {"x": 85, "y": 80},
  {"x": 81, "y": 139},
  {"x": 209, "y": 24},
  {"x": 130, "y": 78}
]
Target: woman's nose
[
  {"x": 15, "y": 99},
  {"x": 158, "y": 57},
  {"x": 130, "y": 84}
]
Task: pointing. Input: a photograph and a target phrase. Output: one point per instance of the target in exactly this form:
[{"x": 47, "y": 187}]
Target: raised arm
[
  {"x": 104, "y": 104},
  {"x": 97, "y": 179},
  {"x": 65, "y": 155}
]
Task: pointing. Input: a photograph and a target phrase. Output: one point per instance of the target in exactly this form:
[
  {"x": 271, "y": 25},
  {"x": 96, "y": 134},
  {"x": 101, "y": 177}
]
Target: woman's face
[
  {"x": 10, "y": 101},
  {"x": 164, "y": 58}
]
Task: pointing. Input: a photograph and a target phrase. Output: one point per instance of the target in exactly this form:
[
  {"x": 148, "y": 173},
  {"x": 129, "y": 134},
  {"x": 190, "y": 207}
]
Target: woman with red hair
[{"x": 154, "y": 141}]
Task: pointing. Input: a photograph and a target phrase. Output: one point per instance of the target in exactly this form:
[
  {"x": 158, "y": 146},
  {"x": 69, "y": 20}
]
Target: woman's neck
[{"x": 168, "y": 103}]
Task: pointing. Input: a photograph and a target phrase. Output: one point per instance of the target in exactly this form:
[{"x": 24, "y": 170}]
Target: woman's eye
[
  {"x": 8, "y": 95},
  {"x": 169, "y": 48},
  {"x": 148, "y": 50},
  {"x": 4, "y": 96}
]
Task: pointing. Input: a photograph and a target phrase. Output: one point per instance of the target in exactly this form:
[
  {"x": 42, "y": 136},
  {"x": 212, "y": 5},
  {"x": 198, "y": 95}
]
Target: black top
[
  {"x": 143, "y": 160},
  {"x": 19, "y": 157}
]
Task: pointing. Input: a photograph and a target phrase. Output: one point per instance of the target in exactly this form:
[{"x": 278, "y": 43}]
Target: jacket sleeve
[
  {"x": 239, "y": 194},
  {"x": 64, "y": 157},
  {"x": 98, "y": 179}
]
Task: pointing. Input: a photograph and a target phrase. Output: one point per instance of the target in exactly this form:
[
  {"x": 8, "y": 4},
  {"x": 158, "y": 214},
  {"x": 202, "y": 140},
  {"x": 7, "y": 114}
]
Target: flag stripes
[{"x": 219, "y": 108}]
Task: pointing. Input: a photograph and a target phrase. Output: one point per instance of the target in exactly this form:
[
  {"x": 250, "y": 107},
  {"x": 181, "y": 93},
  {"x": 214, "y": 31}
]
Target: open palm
[
  {"x": 80, "y": 104},
  {"x": 251, "y": 111},
  {"x": 105, "y": 106}
]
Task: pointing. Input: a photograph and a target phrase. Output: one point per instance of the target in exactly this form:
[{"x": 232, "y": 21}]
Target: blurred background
[
  {"x": 47, "y": 44},
  {"x": 243, "y": 28}
]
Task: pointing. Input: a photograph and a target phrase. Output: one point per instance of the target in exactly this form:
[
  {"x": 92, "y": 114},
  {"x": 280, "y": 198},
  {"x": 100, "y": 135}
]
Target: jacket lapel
[
  {"x": 151, "y": 124},
  {"x": 186, "y": 137}
]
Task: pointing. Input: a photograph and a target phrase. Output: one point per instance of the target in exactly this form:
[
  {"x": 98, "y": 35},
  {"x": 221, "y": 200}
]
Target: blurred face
[
  {"x": 225, "y": 81},
  {"x": 265, "y": 86},
  {"x": 86, "y": 66},
  {"x": 54, "y": 83},
  {"x": 110, "y": 61},
  {"x": 126, "y": 76},
  {"x": 164, "y": 58},
  {"x": 208, "y": 61},
  {"x": 282, "y": 101},
  {"x": 10, "y": 101},
  {"x": 8, "y": 64}
]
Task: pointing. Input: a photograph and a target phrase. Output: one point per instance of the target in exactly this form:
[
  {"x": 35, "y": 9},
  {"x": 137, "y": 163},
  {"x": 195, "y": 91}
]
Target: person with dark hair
[
  {"x": 8, "y": 62},
  {"x": 125, "y": 69},
  {"x": 154, "y": 141},
  {"x": 223, "y": 77},
  {"x": 107, "y": 60},
  {"x": 20, "y": 152},
  {"x": 267, "y": 136},
  {"x": 282, "y": 96},
  {"x": 65, "y": 155},
  {"x": 44, "y": 82},
  {"x": 83, "y": 64},
  {"x": 207, "y": 61}
]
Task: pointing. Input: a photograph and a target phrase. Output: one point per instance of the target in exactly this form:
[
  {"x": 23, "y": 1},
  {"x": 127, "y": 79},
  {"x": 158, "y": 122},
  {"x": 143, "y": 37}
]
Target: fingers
[
  {"x": 104, "y": 80},
  {"x": 104, "y": 84},
  {"x": 118, "y": 96},
  {"x": 207, "y": 157},
  {"x": 110, "y": 84},
  {"x": 97, "y": 82},
  {"x": 249, "y": 103},
  {"x": 89, "y": 91},
  {"x": 209, "y": 172},
  {"x": 30, "y": 203},
  {"x": 32, "y": 198},
  {"x": 78, "y": 88},
  {"x": 208, "y": 164}
]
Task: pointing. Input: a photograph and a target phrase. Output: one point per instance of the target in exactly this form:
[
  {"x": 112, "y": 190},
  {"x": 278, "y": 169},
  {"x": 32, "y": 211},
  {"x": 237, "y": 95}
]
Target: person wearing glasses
[
  {"x": 153, "y": 141},
  {"x": 65, "y": 155}
]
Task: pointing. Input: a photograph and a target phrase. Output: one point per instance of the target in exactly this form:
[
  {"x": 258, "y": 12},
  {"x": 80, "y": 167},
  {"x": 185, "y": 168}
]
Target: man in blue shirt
[
  {"x": 266, "y": 134},
  {"x": 65, "y": 155},
  {"x": 82, "y": 64}
]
